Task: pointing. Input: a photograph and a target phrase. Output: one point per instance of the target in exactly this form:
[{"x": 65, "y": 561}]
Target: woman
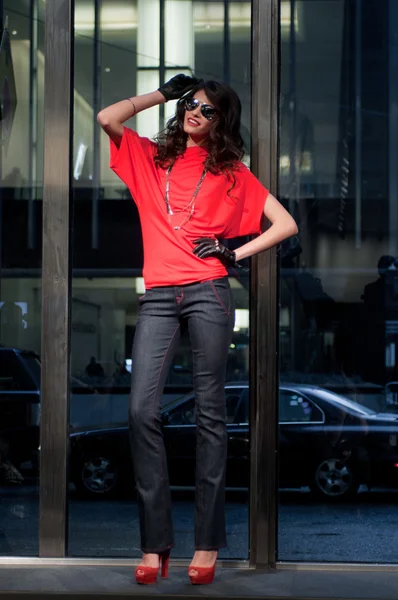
[{"x": 191, "y": 190}]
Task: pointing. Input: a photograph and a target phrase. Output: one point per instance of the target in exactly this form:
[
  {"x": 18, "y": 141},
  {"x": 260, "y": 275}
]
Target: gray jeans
[{"x": 206, "y": 310}]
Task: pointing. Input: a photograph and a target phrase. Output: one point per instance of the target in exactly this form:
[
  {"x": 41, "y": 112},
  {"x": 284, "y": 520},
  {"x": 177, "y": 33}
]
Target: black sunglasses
[{"x": 207, "y": 111}]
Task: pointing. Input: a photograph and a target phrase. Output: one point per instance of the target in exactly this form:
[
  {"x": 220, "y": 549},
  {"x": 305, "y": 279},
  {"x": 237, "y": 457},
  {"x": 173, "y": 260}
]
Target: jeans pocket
[{"x": 222, "y": 292}]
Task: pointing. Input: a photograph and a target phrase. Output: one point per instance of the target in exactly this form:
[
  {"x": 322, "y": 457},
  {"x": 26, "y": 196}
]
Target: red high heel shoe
[
  {"x": 150, "y": 574},
  {"x": 205, "y": 575}
]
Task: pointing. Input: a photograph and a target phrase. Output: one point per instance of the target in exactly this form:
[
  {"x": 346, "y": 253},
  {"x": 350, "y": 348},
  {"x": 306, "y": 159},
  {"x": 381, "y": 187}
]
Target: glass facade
[
  {"x": 21, "y": 168},
  {"x": 335, "y": 403},
  {"x": 338, "y": 280}
]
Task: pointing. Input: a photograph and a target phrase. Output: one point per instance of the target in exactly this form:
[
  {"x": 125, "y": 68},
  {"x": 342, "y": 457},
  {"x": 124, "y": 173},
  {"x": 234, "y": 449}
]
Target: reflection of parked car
[
  {"x": 178, "y": 382},
  {"x": 20, "y": 403},
  {"x": 391, "y": 394},
  {"x": 326, "y": 441}
]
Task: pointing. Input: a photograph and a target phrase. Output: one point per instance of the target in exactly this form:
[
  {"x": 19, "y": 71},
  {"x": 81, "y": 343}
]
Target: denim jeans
[{"x": 206, "y": 310}]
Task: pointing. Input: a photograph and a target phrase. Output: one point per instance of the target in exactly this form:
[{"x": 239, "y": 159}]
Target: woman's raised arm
[{"x": 112, "y": 118}]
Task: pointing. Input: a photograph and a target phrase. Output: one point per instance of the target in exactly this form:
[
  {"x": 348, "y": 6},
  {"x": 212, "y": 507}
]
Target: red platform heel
[
  {"x": 205, "y": 575},
  {"x": 149, "y": 575}
]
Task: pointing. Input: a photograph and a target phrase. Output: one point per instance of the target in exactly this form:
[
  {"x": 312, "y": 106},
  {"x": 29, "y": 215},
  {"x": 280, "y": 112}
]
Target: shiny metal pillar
[
  {"x": 264, "y": 293},
  {"x": 56, "y": 281}
]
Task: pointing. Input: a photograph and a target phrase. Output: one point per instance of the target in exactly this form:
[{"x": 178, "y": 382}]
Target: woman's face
[{"x": 195, "y": 124}]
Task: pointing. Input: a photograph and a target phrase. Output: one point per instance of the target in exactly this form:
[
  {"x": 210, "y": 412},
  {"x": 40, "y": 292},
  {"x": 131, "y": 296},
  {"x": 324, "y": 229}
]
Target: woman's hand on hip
[{"x": 207, "y": 247}]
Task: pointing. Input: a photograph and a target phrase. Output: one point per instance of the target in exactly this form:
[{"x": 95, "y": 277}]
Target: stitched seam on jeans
[{"x": 228, "y": 312}]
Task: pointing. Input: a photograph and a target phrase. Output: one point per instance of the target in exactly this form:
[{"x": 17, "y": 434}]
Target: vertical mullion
[
  {"x": 227, "y": 43},
  {"x": 1, "y": 167},
  {"x": 358, "y": 124},
  {"x": 162, "y": 55},
  {"x": 392, "y": 129},
  {"x": 32, "y": 148},
  {"x": 97, "y": 84},
  {"x": 54, "y": 430},
  {"x": 264, "y": 292}
]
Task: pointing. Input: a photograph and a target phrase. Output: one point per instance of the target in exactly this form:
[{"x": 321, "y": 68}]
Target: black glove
[
  {"x": 210, "y": 247},
  {"x": 177, "y": 86}
]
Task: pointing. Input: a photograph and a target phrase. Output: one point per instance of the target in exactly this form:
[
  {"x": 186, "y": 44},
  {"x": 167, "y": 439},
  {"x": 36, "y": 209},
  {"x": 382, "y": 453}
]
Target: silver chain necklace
[{"x": 191, "y": 204}]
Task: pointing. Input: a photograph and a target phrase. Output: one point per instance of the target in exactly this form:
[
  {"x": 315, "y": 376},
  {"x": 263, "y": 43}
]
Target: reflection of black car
[
  {"x": 19, "y": 403},
  {"x": 20, "y": 372},
  {"x": 326, "y": 441}
]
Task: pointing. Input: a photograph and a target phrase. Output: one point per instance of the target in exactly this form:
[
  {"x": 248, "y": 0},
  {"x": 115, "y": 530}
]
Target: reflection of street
[
  {"x": 108, "y": 528},
  {"x": 357, "y": 531},
  {"x": 308, "y": 530}
]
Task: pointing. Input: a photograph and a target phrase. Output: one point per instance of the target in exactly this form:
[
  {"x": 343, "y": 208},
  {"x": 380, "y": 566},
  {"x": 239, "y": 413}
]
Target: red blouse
[{"x": 168, "y": 257}]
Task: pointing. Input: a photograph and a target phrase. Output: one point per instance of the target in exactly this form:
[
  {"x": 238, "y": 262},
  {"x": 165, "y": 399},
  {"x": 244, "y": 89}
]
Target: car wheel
[
  {"x": 97, "y": 475},
  {"x": 335, "y": 479}
]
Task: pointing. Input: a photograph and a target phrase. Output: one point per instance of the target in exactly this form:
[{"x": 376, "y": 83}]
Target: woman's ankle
[
  {"x": 150, "y": 559},
  {"x": 204, "y": 557}
]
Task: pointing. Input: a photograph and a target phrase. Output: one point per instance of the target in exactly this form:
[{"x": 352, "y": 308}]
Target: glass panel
[
  {"x": 338, "y": 278},
  {"x": 118, "y": 54},
  {"x": 21, "y": 169}
]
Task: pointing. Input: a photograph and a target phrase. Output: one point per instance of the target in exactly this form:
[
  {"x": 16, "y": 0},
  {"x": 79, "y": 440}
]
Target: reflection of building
[
  {"x": 335, "y": 174},
  {"x": 107, "y": 241}
]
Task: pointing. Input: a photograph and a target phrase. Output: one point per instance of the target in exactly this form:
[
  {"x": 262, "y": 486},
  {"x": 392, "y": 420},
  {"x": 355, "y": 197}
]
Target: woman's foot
[
  {"x": 148, "y": 560},
  {"x": 148, "y": 569},
  {"x": 205, "y": 561}
]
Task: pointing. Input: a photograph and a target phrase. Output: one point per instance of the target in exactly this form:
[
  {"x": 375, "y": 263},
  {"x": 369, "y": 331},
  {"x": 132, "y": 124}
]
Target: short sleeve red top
[{"x": 168, "y": 256}]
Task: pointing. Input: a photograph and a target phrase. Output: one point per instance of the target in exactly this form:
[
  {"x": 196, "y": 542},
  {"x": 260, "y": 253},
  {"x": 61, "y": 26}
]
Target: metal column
[
  {"x": 227, "y": 44},
  {"x": 58, "y": 110},
  {"x": 393, "y": 129},
  {"x": 1, "y": 172},
  {"x": 264, "y": 292},
  {"x": 358, "y": 124},
  {"x": 97, "y": 93},
  {"x": 32, "y": 148}
]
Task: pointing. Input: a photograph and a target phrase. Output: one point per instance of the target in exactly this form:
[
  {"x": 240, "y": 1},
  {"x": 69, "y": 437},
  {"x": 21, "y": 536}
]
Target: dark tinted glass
[
  {"x": 21, "y": 179},
  {"x": 339, "y": 278}
]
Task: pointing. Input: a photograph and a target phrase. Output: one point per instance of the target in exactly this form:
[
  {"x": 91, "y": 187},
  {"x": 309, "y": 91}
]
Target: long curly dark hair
[{"x": 225, "y": 144}]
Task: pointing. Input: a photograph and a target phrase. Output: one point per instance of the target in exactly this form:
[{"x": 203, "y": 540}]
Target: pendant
[{"x": 177, "y": 227}]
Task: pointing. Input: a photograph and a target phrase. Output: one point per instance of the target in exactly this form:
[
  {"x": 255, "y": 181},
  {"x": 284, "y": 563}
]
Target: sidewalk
[{"x": 106, "y": 582}]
